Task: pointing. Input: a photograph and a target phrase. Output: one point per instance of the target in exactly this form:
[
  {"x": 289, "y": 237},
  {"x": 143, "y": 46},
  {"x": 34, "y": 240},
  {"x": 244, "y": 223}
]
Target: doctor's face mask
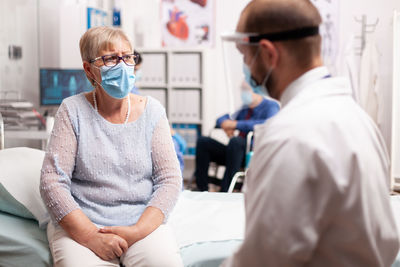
[
  {"x": 244, "y": 40},
  {"x": 258, "y": 88}
]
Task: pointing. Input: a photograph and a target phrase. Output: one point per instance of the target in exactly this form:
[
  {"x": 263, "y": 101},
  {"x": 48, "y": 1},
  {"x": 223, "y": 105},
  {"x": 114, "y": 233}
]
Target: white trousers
[{"x": 155, "y": 250}]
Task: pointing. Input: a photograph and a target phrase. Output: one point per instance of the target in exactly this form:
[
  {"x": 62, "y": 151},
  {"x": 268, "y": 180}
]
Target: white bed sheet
[
  {"x": 204, "y": 217},
  {"x": 22, "y": 243},
  {"x": 194, "y": 220},
  {"x": 208, "y": 227}
]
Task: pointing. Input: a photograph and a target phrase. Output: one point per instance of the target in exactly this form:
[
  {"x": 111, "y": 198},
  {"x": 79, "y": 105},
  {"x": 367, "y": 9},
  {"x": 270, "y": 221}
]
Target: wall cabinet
[{"x": 175, "y": 78}]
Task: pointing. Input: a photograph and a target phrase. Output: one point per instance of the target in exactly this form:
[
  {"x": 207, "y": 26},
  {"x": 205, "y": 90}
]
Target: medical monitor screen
[{"x": 57, "y": 84}]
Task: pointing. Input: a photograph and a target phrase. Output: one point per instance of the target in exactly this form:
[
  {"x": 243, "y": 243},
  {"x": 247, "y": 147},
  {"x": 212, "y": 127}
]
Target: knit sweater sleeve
[
  {"x": 167, "y": 176},
  {"x": 58, "y": 165}
]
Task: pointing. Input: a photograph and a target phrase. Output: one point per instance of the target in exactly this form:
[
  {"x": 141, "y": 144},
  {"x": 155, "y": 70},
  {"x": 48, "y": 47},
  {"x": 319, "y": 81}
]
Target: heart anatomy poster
[{"x": 187, "y": 23}]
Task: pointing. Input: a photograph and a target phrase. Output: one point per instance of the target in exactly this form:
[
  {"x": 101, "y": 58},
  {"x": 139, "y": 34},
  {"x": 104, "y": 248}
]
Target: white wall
[
  {"x": 146, "y": 20},
  {"x": 382, "y": 10},
  {"x": 396, "y": 105},
  {"x": 18, "y": 26},
  {"x": 61, "y": 25},
  {"x": 141, "y": 21},
  {"x": 227, "y": 14},
  {"x": 53, "y": 35},
  {"x": 145, "y": 17}
]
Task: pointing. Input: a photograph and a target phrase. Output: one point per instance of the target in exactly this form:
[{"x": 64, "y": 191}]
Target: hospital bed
[
  {"x": 23, "y": 243},
  {"x": 208, "y": 226}
]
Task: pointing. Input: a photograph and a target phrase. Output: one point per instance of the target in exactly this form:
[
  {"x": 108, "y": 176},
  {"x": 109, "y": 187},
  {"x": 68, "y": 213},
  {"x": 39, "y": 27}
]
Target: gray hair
[{"x": 100, "y": 38}]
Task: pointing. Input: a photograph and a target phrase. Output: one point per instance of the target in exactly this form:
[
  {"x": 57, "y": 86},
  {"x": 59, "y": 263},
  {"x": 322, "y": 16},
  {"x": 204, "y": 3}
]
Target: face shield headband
[{"x": 254, "y": 38}]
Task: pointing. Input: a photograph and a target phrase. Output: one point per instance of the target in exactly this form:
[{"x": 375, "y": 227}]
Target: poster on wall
[
  {"x": 97, "y": 17},
  {"x": 187, "y": 23},
  {"x": 329, "y": 29}
]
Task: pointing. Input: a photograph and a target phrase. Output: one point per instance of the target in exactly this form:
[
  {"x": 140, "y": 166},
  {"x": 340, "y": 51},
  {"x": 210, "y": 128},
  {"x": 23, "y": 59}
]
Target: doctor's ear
[{"x": 269, "y": 52}]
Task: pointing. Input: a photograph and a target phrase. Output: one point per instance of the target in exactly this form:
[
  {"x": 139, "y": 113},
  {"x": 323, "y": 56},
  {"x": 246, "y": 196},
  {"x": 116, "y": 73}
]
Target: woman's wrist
[
  {"x": 78, "y": 227},
  {"x": 86, "y": 236},
  {"x": 134, "y": 234}
]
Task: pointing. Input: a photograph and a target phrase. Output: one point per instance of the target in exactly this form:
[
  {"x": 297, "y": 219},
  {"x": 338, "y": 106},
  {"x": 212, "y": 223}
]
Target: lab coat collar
[{"x": 300, "y": 83}]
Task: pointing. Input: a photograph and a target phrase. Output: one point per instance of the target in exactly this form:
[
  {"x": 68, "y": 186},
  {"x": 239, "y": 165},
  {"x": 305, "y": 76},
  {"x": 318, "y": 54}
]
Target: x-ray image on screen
[{"x": 57, "y": 84}]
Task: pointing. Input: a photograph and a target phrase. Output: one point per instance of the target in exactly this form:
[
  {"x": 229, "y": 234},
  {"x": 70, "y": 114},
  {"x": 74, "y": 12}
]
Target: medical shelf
[{"x": 175, "y": 78}]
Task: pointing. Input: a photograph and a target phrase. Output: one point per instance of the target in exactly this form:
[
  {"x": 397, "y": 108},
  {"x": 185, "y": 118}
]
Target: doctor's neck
[{"x": 290, "y": 71}]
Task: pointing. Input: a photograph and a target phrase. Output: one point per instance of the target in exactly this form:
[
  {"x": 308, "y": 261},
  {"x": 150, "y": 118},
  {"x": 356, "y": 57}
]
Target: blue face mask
[
  {"x": 117, "y": 81},
  {"x": 247, "y": 97},
  {"x": 257, "y": 88},
  {"x": 138, "y": 75},
  {"x": 247, "y": 76}
]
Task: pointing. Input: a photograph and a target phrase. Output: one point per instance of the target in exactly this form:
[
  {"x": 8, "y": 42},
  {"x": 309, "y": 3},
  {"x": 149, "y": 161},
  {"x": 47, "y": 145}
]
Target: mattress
[
  {"x": 208, "y": 226},
  {"x": 22, "y": 243},
  {"x": 208, "y": 254}
]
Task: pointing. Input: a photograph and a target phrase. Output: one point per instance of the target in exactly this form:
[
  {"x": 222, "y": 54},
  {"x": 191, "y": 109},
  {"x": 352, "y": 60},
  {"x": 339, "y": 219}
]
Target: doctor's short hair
[
  {"x": 269, "y": 16},
  {"x": 100, "y": 38}
]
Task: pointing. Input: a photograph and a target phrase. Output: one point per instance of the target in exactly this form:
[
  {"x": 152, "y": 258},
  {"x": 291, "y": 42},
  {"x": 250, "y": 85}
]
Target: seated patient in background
[
  {"x": 180, "y": 147},
  {"x": 110, "y": 176},
  {"x": 256, "y": 109}
]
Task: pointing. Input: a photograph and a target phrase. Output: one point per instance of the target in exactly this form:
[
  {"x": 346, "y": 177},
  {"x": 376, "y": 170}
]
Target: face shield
[
  {"x": 233, "y": 68},
  {"x": 240, "y": 49}
]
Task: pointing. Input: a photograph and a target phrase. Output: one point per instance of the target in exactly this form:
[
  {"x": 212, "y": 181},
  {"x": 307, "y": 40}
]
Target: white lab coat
[{"x": 317, "y": 191}]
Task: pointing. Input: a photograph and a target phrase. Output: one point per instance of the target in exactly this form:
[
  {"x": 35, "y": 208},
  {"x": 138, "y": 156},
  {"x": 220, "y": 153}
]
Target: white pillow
[{"x": 20, "y": 176}]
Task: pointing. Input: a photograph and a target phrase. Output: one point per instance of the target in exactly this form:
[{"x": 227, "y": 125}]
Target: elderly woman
[{"x": 110, "y": 177}]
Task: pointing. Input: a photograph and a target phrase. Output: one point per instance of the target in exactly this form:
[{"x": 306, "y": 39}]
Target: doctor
[{"x": 317, "y": 188}]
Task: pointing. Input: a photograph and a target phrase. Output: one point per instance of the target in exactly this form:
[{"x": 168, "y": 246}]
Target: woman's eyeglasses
[{"x": 112, "y": 60}]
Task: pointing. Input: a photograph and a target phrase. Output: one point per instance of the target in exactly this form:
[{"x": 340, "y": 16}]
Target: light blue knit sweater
[{"x": 110, "y": 171}]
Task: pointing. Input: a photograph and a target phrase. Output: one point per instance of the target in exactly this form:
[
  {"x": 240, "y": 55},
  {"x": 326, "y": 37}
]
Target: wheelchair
[{"x": 238, "y": 178}]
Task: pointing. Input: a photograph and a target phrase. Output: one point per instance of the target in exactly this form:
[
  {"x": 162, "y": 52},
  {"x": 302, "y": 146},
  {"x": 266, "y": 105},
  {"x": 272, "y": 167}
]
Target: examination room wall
[
  {"x": 140, "y": 19},
  {"x": 216, "y": 89},
  {"x": 18, "y": 27},
  {"x": 148, "y": 35},
  {"x": 383, "y": 38}
]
